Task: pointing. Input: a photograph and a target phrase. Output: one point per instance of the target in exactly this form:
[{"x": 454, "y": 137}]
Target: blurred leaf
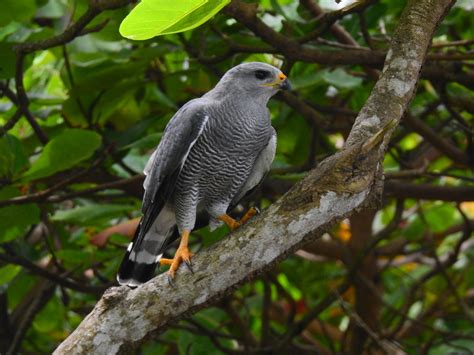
[
  {"x": 7, "y": 30},
  {"x": 293, "y": 291},
  {"x": 414, "y": 230},
  {"x": 118, "y": 106},
  {"x": 64, "y": 151},
  {"x": 189, "y": 344},
  {"x": 16, "y": 218},
  {"x": 134, "y": 160},
  {"x": 307, "y": 80},
  {"x": 158, "y": 17},
  {"x": 49, "y": 317},
  {"x": 146, "y": 142},
  {"x": 8, "y": 272},
  {"x": 410, "y": 141},
  {"x": 74, "y": 256},
  {"x": 7, "y": 60},
  {"x": 106, "y": 75},
  {"x": 12, "y": 156},
  {"x": 16, "y": 10},
  {"x": 91, "y": 213},
  {"x": 440, "y": 217},
  {"x": 51, "y": 9},
  {"x": 341, "y": 79}
]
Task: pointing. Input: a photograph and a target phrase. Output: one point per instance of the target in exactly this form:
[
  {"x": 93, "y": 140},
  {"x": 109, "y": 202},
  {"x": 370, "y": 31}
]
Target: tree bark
[{"x": 339, "y": 186}]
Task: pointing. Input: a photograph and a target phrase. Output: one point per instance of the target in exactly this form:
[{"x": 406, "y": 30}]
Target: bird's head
[{"x": 259, "y": 80}]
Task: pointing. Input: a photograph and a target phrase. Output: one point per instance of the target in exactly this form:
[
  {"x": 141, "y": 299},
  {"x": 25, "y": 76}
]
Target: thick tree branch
[{"x": 341, "y": 184}]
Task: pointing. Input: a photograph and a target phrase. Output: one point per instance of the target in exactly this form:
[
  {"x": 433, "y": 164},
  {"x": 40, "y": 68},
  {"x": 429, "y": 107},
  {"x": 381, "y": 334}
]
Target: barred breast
[{"x": 221, "y": 160}]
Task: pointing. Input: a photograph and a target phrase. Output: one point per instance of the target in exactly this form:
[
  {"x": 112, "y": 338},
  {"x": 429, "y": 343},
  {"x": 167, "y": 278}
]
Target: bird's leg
[
  {"x": 231, "y": 223},
  {"x": 182, "y": 254},
  {"x": 250, "y": 213},
  {"x": 234, "y": 224}
]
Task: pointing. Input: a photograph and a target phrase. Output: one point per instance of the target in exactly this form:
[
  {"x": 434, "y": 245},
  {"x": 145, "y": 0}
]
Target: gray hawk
[{"x": 214, "y": 150}]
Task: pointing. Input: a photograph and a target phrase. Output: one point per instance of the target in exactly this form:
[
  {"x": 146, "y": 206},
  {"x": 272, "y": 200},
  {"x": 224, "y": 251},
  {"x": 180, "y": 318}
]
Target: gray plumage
[{"x": 213, "y": 151}]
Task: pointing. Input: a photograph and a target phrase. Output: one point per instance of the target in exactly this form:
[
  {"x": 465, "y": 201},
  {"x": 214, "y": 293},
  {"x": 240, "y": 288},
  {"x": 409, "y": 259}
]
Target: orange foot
[
  {"x": 182, "y": 255},
  {"x": 250, "y": 213},
  {"x": 234, "y": 224}
]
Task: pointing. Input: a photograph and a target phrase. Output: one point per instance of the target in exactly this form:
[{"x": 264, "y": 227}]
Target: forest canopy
[{"x": 82, "y": 108}]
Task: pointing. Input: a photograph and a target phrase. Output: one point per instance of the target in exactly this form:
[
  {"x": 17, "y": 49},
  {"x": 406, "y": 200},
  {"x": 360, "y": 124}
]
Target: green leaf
[
  {"x": 341, "y": 79},
  {"x": 63, "y": 152},
  {"x": 146, "y": 142},
  {"x": 7, "y": 61},
  {"x": 7, "y": 30},
  {"x": 73, "y": 256},
  {"x": 50, "y": 317},
  {"x": 158, "y": 17},
  {"x": 440, "y": 217},
  {"x": 91, "y": 213},
  {"x": 7, "y": 273},
  {"x": 15, "y": 219},
  {"x": 16, "y": 10},
  {"x": 12, "y": 156},
  {"x": 195, "y": 345}
]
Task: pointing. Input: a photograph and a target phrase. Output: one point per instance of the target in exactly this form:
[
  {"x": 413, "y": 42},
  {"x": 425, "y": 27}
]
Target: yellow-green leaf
[
  {"x": 63, "y": 152},
  {"x": 152, "y": 18}
]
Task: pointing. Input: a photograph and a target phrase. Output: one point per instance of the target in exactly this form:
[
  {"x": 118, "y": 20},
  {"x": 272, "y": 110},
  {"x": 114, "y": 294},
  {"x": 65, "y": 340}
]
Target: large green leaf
[
  {"x": 341, "y": 79},
  {"x": 16, "y": 10},
  {"x": 158, "y": 17},
  {"x": 63, "y": 152},
  {"x": 91, "y": 213},
  {"x": 12, "y": 156}
]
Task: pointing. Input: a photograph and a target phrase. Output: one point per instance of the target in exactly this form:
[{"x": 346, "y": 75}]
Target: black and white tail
[{"x": 144, "y": 253}]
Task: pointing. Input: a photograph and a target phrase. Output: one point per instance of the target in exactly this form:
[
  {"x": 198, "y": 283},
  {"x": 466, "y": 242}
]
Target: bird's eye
[{"x": 262, "y": 74}]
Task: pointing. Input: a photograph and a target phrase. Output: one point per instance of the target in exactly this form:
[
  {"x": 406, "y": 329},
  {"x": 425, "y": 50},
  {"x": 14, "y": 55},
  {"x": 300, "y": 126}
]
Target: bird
[{"x": 214, "y": 151}]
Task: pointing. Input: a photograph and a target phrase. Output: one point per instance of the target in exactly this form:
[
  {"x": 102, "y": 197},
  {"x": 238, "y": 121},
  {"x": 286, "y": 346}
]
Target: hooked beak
[
  {"x": 281, "y": 83},
  {"x": 285, "y": 85}
]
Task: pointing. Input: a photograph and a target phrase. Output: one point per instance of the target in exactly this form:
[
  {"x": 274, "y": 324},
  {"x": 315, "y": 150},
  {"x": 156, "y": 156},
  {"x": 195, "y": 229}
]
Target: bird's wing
[
  {"x": 164, "y": 165},
  {"x": 259, "y": 170}
]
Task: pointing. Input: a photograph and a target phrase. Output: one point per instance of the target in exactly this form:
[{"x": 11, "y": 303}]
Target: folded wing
[{"x": 162, "y": 170}]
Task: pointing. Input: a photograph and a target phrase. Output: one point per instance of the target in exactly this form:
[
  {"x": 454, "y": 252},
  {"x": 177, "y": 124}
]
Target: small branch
[
  {"x": 11, "y": 122},
  {"x": 43, "y": 195},
  {"x": 23, "y": 101},
  {"x": 43, "y": 293},
  {"x": 326, "y": 20},
  {"x": 76, "y": 29},
  {"x": 53, "y": 277},
  {"x": 403, "y": 190},
  {"x": 434, "y": 138},
  {"x": 460, "y": 43}
]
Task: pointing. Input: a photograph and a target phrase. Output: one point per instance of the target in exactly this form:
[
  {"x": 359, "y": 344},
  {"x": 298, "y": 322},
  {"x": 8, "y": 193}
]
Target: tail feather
[
  {"x": 143, "y": 256},
  {"x": 134, "y": 273}
]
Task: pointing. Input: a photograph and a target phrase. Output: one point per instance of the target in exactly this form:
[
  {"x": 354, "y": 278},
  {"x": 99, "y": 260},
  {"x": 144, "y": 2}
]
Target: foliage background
[{"x": 80, "y": 118}]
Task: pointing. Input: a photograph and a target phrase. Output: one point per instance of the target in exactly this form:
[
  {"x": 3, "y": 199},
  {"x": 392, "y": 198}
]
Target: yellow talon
[{"x": 182, "y": 255}]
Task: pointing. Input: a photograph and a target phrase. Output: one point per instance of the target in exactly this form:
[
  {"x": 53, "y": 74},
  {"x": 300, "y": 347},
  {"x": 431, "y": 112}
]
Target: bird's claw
[
  {"x": 189, "y": 265},
  {"x": 170, "y": 280},
  {"x": 182, "y": 255}
]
